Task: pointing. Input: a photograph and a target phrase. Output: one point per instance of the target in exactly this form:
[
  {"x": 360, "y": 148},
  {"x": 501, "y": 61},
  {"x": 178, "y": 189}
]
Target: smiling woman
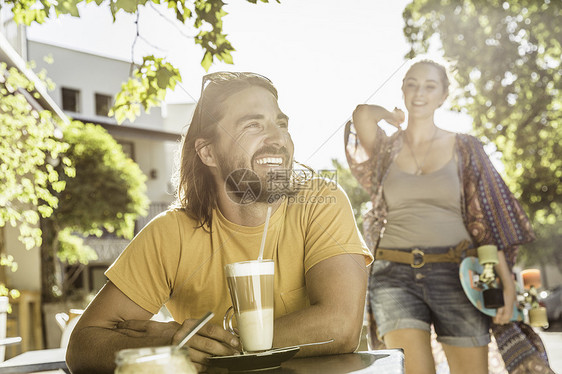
[{"x": 423, "y": 181}]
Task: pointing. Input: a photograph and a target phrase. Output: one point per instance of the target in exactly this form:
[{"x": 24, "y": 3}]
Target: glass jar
[{"x": 151, "y": 360}]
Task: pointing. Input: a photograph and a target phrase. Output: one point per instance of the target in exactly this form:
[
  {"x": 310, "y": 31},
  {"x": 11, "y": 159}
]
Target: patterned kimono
[{"x": 490, "y": 213}]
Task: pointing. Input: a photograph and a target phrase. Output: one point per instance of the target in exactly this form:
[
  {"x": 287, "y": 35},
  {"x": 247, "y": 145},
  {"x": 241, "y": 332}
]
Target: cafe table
[
  {"x": 36, "y": 361},
  {"x": 387, "y": 361}
]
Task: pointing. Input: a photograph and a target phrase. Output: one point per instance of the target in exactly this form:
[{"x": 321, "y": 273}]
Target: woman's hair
[
  {"x": 440, "y": 68},
  {"x": 196, "y": 191}
]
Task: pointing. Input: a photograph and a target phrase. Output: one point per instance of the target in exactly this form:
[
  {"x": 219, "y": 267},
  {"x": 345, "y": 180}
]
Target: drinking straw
[{"x": 262, "y": 246}]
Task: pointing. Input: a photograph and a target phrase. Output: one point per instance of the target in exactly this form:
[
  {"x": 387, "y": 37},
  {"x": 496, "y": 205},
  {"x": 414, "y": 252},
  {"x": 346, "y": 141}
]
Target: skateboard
[
  {"x": 484, "y": 291},
  {"x": 469, "y": 272}
]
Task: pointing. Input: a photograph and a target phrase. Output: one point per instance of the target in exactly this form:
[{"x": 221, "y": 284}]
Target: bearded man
[{"x": 236, "y": 161}]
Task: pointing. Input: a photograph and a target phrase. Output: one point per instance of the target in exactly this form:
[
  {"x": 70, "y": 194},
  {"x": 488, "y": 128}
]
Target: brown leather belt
[{"x": 416, "y": 258}]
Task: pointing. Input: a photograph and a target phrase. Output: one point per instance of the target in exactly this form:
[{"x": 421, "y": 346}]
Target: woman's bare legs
[
  {"x": 418, "y": 356},
  {"x": 473, "y": 360}
]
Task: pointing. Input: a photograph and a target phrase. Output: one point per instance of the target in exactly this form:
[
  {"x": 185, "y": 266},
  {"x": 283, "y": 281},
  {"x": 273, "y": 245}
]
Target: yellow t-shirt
[{"x": 173, "y": 263}]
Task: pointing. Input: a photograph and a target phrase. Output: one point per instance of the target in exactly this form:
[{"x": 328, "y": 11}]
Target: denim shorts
[{"x": 403, "y": 297}]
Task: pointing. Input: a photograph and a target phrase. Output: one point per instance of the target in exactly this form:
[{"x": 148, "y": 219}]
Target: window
[
  {"x": 103, "y": 104},
  {"x": 71, "y": 100}
]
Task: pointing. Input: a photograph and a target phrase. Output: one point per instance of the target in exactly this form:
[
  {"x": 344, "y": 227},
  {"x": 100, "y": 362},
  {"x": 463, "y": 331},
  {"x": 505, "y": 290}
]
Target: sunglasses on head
[
  {"x": 223, "y": 77},
  {"x": 226, "y": 76}
]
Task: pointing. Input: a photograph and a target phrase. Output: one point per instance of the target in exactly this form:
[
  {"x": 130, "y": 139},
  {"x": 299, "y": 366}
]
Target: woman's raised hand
[
  {"x": 395, "y": 118},
  {"x": 367, "y": 114},
  {"x": 365, "y": 119}
]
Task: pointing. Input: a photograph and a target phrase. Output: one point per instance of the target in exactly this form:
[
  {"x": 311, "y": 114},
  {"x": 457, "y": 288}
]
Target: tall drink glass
[{"x": 251, "y": 290}]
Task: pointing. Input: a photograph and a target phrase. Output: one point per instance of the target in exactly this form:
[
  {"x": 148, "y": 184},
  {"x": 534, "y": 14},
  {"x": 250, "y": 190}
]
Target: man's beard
[{"x": 245, "y": 185}]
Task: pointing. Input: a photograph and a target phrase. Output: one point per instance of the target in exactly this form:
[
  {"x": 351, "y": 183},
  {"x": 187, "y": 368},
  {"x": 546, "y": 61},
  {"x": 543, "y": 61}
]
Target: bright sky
[{"x": 324, "y": 57}]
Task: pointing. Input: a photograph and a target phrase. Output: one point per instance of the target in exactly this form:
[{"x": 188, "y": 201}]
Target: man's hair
[{"x": 196, "y": 189}]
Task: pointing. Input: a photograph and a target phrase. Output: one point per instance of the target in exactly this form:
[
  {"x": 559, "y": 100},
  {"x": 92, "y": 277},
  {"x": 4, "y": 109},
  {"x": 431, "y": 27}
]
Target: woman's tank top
[{"x": 423, "y": 210}]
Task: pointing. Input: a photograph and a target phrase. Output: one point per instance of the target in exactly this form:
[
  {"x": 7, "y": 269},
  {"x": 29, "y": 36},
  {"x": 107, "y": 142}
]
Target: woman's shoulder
[
  {"x": 469, "y": 144},
  {"x": 467, "y": 139}
]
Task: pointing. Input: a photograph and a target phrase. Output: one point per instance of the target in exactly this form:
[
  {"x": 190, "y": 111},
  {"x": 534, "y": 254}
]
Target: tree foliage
[
  {"x": 7, "y": 261},
  {"x": 147, "y": 88},
  {"x": 358, "y": 197},
  {"x": 107, "y": 193},
  {"x": 60, "y": 179},
  {"x": 507, "y": 61},
  {"x": 148, "y": 82},
  {"x": 30, "y": 141}
]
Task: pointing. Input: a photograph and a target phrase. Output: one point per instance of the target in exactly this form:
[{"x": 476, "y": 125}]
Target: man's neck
[{"x": 252, "y": 214}]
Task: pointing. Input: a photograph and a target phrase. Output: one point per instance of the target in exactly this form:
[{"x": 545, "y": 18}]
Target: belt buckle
[{"x": 417, "y": 252}]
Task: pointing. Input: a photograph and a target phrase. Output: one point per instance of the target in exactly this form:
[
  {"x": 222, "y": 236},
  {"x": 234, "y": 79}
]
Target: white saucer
[{"x": 254, "y": 361}]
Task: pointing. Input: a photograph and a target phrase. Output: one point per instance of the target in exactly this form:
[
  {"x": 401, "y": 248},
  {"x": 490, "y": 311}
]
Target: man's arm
[
  {"x": 113, "y": 322},
  {"x": 336, "y": 288}
]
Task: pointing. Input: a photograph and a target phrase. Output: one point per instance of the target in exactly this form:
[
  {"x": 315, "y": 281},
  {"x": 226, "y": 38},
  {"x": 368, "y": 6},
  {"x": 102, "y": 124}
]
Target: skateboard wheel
[
  {"x": 538, "y": 318},
  {"x": 493, "y": 298},
  {"x": 488, "y": 254},
  {"x": 531, "y": 277}
]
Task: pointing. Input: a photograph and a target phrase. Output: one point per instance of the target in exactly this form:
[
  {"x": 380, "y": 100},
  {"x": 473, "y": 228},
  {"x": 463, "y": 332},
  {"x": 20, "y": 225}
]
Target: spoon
[
  {"x": 294, "y": 346},
  {"x": 195, "y": 328},
  {"x": 315, "y": 343},
  {"x": 189, "y": 335}
]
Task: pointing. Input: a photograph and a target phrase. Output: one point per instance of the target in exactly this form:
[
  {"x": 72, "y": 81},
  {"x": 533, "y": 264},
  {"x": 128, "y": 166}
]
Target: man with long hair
[{"x": 236, "y": 162}]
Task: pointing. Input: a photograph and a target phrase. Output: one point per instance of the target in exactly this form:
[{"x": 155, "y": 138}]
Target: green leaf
[
  {"x": 227, "y": 58},
  {"x": 129, "y": 6},
  {"x": 207, "y": 61},
  {"x": 162, "y": 78}
]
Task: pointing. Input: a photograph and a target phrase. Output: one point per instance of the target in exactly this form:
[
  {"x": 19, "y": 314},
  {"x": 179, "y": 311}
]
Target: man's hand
[
  {"x": 148, "y": 329},
  {"x": 211, "y": 340}
]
